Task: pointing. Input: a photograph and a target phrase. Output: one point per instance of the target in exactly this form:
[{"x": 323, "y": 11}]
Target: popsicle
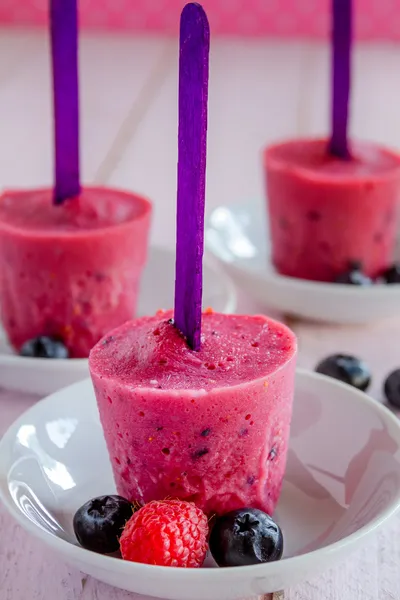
[
  {"x": 70, "y": 257},
  {"x": 332, "y": 203},
  {"x": 210, "y": 426},
  {"x": 196, "y": 405}
]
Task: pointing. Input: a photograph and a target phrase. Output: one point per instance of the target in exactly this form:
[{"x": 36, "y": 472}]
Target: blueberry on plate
[
  {"x": 392, "y": 388},
  {"x": 98, "y": 524},
  {"x": 346, "y": 368},
  {"x": 392, "y": 274},
  {"x": 245, "y": 537},
  {"x": 44, "y": 347},
  {"x": 354, "y": 275}
]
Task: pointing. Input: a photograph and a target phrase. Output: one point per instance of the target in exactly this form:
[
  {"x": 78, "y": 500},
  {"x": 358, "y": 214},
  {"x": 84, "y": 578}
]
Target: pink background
[{"x": 375, "y": 19}]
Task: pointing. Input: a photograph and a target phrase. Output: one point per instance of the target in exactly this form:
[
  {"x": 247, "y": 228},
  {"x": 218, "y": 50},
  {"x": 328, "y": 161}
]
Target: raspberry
[{"x": 169, "y": 533}]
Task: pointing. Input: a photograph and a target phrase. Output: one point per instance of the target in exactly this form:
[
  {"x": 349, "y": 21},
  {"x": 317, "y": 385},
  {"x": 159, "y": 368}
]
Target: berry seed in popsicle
[
  {"x": 71, "y": 257},
  {"x": 196, "y": 406},
  {"x": 333, "y": 202}
]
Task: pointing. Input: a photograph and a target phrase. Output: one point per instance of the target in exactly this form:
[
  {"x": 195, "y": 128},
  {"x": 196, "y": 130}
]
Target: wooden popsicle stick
[
  {"x": 341, "y": 75},
  {"x": 192, "y": 144},
  {"x": 64, "y": 52}
]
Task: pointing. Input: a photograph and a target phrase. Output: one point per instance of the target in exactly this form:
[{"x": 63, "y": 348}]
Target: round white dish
[
  {"x": 44, "y": 376},
  {"x": 238, "y": 238},
  {"x": 337, "y": 491}
]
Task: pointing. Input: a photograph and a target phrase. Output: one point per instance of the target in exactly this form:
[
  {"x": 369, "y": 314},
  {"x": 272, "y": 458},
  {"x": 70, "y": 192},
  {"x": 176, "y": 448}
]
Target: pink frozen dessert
[
  {"x": 70, "y": 271},
  {"x": 209, "y": 426},
  {"x": 326, "y": 213}
]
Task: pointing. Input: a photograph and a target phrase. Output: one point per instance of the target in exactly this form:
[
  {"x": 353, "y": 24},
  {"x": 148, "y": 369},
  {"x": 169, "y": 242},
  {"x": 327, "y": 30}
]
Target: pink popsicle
[
  {"x": 70, "y": 258},
  {"x": 210, "y": 426},
  {"x": 325, "y": 212},
  {"x": 333, "y": 203},
  {"x": 70, "y": 271}
]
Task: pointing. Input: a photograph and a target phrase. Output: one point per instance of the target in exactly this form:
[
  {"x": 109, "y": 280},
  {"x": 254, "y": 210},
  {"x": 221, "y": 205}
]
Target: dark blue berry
[
  {"x": 354, "y": 275},
  {"x": 346, "y": 368},
  {"x": 392, "y": 388},
  {"x": 205, "y": 432},
  {"x": 272, "y": 454},
  {"x": 199, "y": 453},
  {"x": 392, "y": 275},
  {"x": 98, "y": 524},
  {"x": 245, "y": 537},
  {"x": 44, "y": 347}
]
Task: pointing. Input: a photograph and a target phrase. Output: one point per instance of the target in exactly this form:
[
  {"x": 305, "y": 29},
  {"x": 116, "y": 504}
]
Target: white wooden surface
[{"x": 259, "y": 91}]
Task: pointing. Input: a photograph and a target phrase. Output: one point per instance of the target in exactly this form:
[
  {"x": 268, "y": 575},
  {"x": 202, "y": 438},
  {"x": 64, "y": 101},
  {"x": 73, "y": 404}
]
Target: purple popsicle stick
[
  {"x": 341, "y": 56},
  {"x": 192, "y": 144},
  {"x": 64, "y": 53}
]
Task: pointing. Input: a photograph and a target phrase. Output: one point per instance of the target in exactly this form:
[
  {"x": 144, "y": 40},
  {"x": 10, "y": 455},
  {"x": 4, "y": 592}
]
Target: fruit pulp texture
[
  {"x": 70, "y": 271},
  {"x": 211, "y": 426},
  {"x": 325, "y": 212}
]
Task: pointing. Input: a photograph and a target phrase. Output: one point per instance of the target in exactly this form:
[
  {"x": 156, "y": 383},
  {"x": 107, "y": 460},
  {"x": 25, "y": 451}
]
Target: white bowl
[
  {"x": 43, "y": 376},
  {"x": 238, "y": 238},
  {"x": 338, "y": 489}
]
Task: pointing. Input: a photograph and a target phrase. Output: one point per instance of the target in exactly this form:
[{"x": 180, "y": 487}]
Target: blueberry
[
  {"x": 272, "y": 454},
  {"x": 98, "y": 524},
  {"x": 354, "y": 275},
  {"x": 392, "y": 388},
  {"x": 199, "y": 453},
  {"x": 44, "y": 347},
  {"x": 245, "y": 537},
  {"x": 392, "y": 275},
  {"x": 346, "y": 368}
]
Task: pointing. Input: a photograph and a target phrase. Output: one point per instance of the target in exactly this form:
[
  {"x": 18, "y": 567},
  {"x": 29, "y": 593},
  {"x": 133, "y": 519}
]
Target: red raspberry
[{"x": 170, "y": 533}]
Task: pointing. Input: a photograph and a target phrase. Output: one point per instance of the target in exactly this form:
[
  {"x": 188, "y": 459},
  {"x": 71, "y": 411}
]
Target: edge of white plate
[{"x": 81, "y": 556}]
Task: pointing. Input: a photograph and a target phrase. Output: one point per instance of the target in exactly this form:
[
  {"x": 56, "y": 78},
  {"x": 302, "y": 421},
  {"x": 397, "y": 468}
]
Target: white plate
[
  {"x": 238, "y": 238},
  {"x": 44, "y": 376},
  {"x": 337, "y": 490}
]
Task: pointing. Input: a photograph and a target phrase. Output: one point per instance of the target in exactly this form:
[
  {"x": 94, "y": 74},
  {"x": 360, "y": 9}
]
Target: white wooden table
[{"x": 259, "y": 91}]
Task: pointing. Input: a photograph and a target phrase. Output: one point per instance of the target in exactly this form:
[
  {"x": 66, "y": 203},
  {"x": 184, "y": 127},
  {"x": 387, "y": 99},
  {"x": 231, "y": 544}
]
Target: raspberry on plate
[{"x": 169, "y": 533}]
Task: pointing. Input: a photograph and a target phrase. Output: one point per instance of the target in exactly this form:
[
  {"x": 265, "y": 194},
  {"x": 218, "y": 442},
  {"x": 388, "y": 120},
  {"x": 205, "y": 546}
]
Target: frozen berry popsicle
[
  {"x": 332, "y": 203},
  {"x": 71, "y": 257},
  {"x": 325, "y": 213},
  {"x": 209, "y": 426},
  {"x": 70, "y": 271}
]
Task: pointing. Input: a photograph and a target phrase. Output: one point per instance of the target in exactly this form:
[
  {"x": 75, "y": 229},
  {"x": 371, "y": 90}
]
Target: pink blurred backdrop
[{"x": 375, "y": 19}]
